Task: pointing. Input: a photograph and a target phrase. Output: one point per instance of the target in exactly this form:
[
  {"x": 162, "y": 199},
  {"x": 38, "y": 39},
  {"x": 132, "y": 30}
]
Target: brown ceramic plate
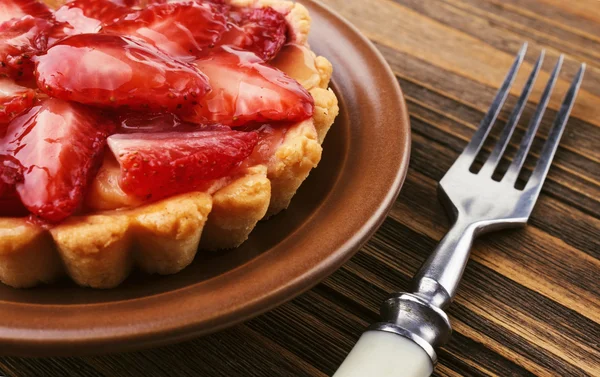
[{"x": 337, "y": 209}]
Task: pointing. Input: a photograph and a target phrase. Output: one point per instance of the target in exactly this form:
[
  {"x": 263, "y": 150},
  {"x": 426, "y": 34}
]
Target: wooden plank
[
  {"x": 527, "y": 25},
  {"x": 506, "y": 30},
  {"x": 399, "y": 27},
  {"x": 581, "y": 15}
]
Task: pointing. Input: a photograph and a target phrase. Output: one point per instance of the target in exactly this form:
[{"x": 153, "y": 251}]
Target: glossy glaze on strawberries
[
  {"x": 14, "y": 99},
  {"x": 185, "y": 30},
  {"x": 246, "y": 90},
  {"x": 51, "y": 153},
  {"x": 21, "y": 39},
  {"x": 154, "y": 86},
  {"x": 261, "y": 31},
  {"x": 17, "y": 9},
  {"x": 118, "y": 71},
  {"x": 163, "y": 164}
]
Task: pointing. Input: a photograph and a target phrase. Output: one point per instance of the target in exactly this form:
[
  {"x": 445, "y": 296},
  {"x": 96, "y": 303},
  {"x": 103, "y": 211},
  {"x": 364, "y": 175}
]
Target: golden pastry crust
[
  {"x": 27, "y": 254},
  {"x": 99, "y": 250},
  {"x": 325, "y": 70},
  {"x": 54, "y": 4},
  {"x": 299, "y": 153},
  {"x": 236, "y": 209},
  {"x": 326, "y": 110}
]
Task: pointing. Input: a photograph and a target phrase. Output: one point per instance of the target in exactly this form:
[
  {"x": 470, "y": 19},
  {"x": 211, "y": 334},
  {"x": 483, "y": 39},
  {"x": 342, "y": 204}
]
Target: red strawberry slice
[
  {"x": 72, "y": 20},
  {"x": 115, "y": 71},
  {"x": 57, "y": 147},
  {"x": 183, "y": 29},
  {"x": 10, "y": 174},
  {"x": 247, "y": 90},
  {"x": 10, "y": 204},
  {"x": 14, "y": 99},
  {"x": 5, "y": 188},
  {"x": 88, "y": 16},
  {"x": 260, "y": 30},
  {"x": 159, "y": 165},
  {"x": 85, "y": 17},
  {"x": 10, "y": 9},
  {"x": 20, "y": 39}
]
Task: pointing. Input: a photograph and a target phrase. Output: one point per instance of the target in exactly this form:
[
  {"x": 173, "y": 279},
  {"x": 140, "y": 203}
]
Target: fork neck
[
  {"x": 437, "y": 280},
  {"x": 419, "y": 315}
]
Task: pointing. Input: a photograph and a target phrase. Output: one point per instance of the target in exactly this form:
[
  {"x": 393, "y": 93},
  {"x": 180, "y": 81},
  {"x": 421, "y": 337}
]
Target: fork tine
[
  {"x": 515, "y": 167},
  {"x": 490, "y": 165},
  {"x": 486, "y": 124},
  {"x": 543, "y": 165}
]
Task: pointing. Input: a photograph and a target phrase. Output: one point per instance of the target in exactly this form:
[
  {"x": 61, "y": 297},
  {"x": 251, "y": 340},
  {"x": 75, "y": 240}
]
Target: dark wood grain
[{"x": 529, "y": 304}]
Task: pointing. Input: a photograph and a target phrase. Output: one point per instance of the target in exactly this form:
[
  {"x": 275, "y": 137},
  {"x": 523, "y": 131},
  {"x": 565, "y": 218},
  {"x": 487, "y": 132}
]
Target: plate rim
[{"x": 75, "y": 343}]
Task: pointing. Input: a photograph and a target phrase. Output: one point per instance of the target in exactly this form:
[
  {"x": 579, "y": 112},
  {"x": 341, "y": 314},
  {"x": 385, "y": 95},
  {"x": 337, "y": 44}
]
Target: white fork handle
[{"x": 384, "y": 354}]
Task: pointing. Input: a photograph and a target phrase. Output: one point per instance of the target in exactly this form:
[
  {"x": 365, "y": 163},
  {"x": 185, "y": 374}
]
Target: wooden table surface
[{"x": 529, "y": 303}]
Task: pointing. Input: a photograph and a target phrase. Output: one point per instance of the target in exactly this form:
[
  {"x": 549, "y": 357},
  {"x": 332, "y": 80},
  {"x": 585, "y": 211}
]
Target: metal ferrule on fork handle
[{"x": 408, "y": 315}]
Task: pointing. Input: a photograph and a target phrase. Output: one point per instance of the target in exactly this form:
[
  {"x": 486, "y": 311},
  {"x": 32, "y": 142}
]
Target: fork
[{"x": 414, "y": 324}]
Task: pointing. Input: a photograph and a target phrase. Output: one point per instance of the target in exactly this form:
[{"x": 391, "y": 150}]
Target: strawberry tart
[{"x": 134, "y": 133}]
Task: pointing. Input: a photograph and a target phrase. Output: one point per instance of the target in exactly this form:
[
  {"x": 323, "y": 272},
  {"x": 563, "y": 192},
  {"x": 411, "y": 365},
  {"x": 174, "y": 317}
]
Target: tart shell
[{"x": 99, "y": 250}]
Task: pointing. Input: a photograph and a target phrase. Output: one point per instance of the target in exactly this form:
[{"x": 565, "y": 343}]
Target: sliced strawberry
[
  {"x": 270, "y": 137},
  {"x": 10, "y": 9},
  {"x": 115, "y": 71},
  {"x": 56, "y": 147},
  {"x": 72, "y": 20},
  {"x": 10, "y": 204},
  {"x": 247, "y": 90},
  {"x": 12, "y": 207},
  {"x": 20, "y": 39},
  {"x": 14, "y": 99},
  {"x": 260, "y": 30},
  {"x": 85, "y": 17},
  {"x": 183, "y": 29},
  {"x": 88, "y": 16},
  {"x": 4, "y": 187},
  {"x": 158, "y": 165},
  {"x": 10, "y": 173}
]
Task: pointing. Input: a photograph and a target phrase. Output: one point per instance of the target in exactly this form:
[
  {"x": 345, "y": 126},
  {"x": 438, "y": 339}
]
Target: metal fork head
[{"x": 478, "y": 199}]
